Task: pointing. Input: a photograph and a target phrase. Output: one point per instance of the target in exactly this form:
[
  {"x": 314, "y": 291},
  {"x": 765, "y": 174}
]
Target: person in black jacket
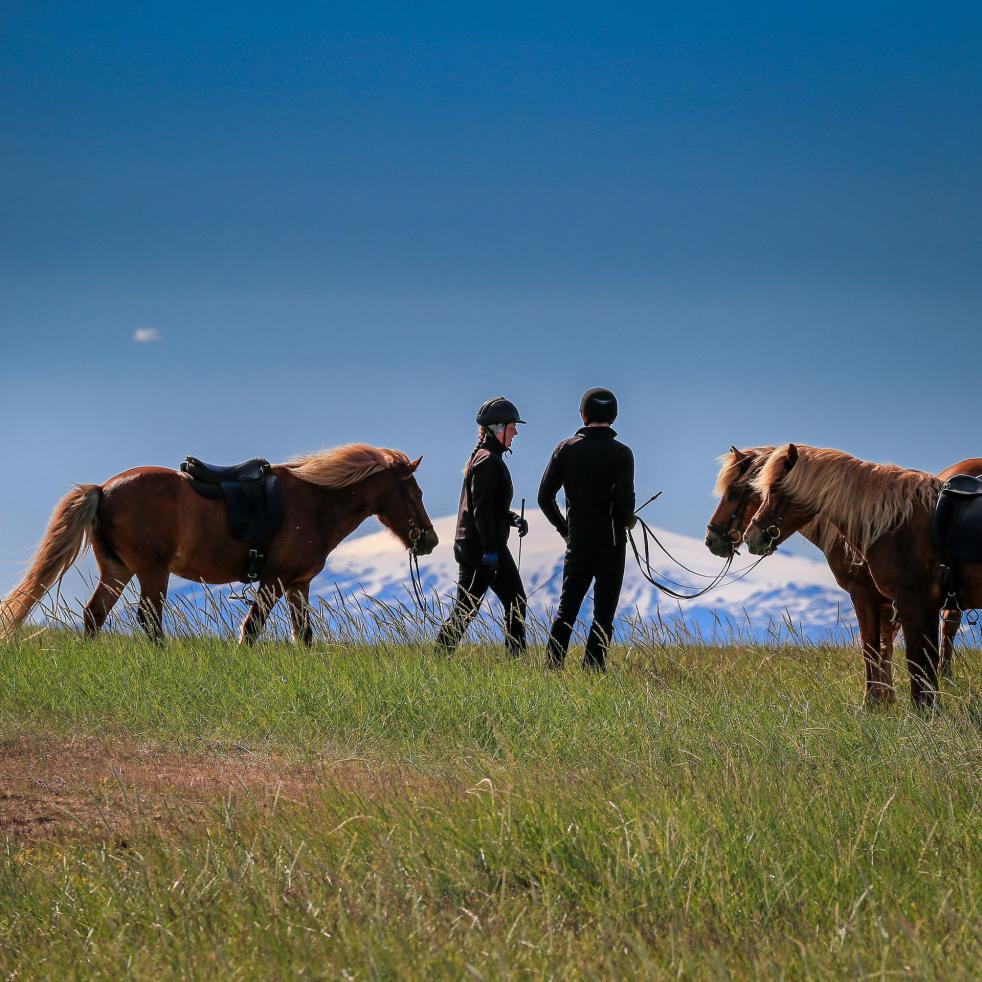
[
  {"x": 597, "y": 474},
  {"x": 484, "y": 521}
]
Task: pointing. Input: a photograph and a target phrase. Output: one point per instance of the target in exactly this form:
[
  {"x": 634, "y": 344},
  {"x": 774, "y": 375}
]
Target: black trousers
[
  {"x": 606, "y": 567},
  {"x": 473, "y": 583}
]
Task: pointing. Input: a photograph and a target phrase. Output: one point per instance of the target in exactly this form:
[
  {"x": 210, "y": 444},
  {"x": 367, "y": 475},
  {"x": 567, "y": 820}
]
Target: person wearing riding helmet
[
  {"x": 484, "y": 521},
  {"x": 596, "y": 472}
]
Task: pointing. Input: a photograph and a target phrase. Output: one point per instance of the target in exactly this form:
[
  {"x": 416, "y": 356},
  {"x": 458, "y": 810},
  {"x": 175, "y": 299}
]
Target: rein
[
  {"x": 415, "y": 578},
  {"x": 719, "y": 579},
  {"x": 644, "y": 565}
]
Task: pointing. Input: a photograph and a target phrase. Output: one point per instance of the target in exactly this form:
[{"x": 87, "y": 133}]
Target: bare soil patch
[{"x": 53, "y": 788}]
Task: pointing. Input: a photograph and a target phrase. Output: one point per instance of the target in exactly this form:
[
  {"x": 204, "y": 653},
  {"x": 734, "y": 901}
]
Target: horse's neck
[
  {"x": 351, "y": 507},
  {"x": 829, "y": 538},
  {"x": 817, "y": 532},
  {"x": 860, "y": 525}
]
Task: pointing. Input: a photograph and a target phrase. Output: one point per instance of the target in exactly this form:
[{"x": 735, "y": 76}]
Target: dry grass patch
[{"x": 53, "y": 788}]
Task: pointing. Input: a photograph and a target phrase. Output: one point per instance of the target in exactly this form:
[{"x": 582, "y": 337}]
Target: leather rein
[{"x": 732, "y": 533}]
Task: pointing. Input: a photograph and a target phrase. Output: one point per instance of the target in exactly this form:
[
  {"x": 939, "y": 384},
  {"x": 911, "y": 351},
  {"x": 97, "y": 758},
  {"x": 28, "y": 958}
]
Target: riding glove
[{"x": 521, "y": 524}]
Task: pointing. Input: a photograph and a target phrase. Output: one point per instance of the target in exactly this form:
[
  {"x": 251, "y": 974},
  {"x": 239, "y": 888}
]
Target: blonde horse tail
[{"x": 69, "y": 533}]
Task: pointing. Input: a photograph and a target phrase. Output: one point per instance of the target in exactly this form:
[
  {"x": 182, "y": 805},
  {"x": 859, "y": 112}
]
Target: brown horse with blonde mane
[
  {"x": 148, "y": 522},
  {"x": 874, "y": 612},
  {"x": 885, "y": 512}
]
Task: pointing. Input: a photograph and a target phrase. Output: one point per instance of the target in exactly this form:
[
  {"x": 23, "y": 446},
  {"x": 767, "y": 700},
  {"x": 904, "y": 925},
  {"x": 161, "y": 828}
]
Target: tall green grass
[{"x": 698, "y": 812}]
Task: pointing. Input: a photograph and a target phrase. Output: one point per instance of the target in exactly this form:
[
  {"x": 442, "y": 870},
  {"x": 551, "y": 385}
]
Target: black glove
[
  {"x": 521, "y": 524},
  {"x": 564, "y": 532},
  {"x": 490, "y": 562}
]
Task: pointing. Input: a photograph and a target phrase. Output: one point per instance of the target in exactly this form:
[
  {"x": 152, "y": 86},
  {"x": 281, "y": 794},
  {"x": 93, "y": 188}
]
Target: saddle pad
[{"x": 957, "y": 527}]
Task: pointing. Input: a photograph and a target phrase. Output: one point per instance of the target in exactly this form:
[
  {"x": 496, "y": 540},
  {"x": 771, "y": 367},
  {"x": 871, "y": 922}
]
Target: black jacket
[
  {"x": 597, "y": 473},
  {"x": 484, "y": 515}
]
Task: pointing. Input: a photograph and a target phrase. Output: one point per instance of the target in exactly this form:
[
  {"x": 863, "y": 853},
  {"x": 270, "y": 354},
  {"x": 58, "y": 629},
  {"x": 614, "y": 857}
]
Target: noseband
[
  {"x": 415, "y": 533},
  {"x": 732, "y": 532}
]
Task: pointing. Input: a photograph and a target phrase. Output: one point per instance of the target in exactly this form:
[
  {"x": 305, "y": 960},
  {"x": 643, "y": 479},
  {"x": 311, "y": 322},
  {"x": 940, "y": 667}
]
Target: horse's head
[
  {"x": 737, "y": 499},
  {"x": 399, "y": 507},
  {"x": 778, "y": 516}
]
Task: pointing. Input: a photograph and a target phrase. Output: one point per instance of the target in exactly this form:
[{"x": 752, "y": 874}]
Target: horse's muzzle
[
  {"x": 426, "y": 543},
  {"x": 759, "y": 544},
  {"x": 719, "y": 546}
]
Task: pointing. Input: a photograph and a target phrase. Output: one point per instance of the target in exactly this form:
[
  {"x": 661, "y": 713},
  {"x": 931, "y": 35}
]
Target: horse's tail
[{"x": 69, "y": 532}]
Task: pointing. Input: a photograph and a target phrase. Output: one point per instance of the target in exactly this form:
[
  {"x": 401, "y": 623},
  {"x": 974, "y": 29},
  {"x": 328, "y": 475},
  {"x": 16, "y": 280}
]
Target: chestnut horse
[
  {"x": 885, "y": 512},
  {"x": 148, "y": 522},
  {"x": 874, "y": 612}
]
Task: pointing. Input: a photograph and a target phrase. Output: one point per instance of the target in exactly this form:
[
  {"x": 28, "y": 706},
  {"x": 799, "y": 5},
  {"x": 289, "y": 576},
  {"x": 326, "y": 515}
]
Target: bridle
[
  {"x": 733, "y": 532},
  {"x": 770, "y": 526}
]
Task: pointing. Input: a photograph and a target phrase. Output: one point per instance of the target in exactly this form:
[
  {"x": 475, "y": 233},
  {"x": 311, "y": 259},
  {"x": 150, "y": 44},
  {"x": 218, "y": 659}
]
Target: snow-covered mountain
[{"x": 366, "y": 584}]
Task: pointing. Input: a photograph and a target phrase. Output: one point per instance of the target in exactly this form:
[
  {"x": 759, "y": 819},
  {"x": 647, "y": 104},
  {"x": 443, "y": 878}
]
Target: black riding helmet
[
  {"x": 498, "y": 410},
  {"x": 599, "y": 406}
]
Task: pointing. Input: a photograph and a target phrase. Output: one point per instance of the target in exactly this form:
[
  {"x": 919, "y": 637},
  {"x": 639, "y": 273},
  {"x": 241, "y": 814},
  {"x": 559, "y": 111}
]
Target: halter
[{"x": 733, "y": 533}]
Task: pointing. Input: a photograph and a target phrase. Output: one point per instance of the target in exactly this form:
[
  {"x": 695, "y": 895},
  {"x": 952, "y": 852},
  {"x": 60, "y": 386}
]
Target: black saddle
[
  {"x": 253, "y": 502},
  {"x": 956, "y": 529},
  {"x": 248, "y": 470}
]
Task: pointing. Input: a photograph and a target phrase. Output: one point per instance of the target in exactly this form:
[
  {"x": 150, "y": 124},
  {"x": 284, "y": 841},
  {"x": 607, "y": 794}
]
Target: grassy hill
[{"x": 386, "y": 812}]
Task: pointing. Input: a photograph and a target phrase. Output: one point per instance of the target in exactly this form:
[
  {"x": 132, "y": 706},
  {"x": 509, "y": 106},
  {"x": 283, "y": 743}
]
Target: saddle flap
[
  {"x": 255, "y": 508},
  {"x": 252, "y": 495},
  {"x": 956, "y": 528}
]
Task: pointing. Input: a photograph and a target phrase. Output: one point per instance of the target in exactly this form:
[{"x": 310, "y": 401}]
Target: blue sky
[{"x": 347, "y": 222}]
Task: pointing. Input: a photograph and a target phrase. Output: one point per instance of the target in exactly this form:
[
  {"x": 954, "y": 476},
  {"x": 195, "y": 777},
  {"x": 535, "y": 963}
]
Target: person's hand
[
  {"x": 517, "y": 522},
  {"x": 490, "y": 562},
  {"x": 564, "y": 532}
]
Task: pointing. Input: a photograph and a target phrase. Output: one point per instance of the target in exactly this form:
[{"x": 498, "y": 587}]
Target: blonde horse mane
[
  {"x": 819, "y": 530},
  {"x": 731, "y": 466},
  {"x": 864, "y": 499},
  {"x": 340, "y": 467}
]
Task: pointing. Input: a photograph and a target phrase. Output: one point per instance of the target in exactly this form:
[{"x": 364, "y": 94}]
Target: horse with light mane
[
  {"x": 885, "y": 512},
  {"x": 148, "y": 522},
  {"x": 874, "y": 612}
]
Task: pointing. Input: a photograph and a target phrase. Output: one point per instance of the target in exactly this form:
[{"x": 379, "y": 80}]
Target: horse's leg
[
  {"x": 266, "y": 597},
  {"x": 113, "y": 577},
  {"x": 868, "y": 615},
  {"x": 298, "y": 599},
  {"x": 950, "y": 622},
  {"x": 153, "y": 592},
  {"x": 889, "y": 626},
  {"x": 921, "y": 626}
]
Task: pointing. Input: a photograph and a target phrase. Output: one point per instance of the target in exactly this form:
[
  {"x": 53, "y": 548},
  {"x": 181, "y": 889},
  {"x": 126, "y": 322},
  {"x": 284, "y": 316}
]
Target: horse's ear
[
  {"x": 790, "y": 457},
  {"x": 413, "y": 464},
  {"x": 737, "y": 455}
]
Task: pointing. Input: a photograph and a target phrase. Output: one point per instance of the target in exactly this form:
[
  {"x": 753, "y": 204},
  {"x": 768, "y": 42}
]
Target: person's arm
[
  {"x": 624, "y": 500},
  {"x": 552, "y": 481},
  {"x": 485, "y": 476}
]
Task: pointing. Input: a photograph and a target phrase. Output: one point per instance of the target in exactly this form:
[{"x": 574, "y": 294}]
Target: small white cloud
[{"x": 146, "y": 335}]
